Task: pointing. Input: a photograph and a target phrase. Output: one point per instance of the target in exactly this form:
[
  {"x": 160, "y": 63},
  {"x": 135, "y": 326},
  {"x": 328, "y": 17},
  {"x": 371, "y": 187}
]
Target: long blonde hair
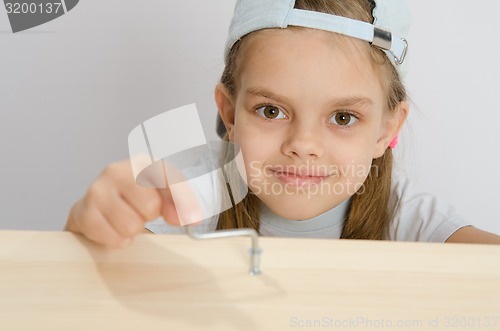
[{"x": 369, "y": 215}]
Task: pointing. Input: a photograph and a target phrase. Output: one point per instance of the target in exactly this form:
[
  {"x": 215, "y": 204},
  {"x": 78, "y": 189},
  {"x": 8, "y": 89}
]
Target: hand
[{"x": 115, "y": 208}]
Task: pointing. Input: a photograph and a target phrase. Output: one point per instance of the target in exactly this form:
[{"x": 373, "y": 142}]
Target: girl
[{"x": 312, "y": 93}]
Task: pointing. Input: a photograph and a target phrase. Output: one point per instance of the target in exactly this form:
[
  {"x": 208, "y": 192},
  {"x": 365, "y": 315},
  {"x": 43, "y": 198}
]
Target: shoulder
[
  {"x": 471, "y": 235},
  {"x": 419, "y": 215}
]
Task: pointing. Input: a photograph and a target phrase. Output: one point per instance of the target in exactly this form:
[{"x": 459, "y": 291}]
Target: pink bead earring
[{"x": 394, "y": 142}]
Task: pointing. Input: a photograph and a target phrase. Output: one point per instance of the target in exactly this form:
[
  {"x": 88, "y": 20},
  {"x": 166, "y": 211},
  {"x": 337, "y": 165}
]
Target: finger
[
  {"x": 181, "y": 204},
  {"x": 98, "y": 229},
  {"x": 121, "y": 216},
  {"x": 152, "y": 175},
  {"x": 180, "y": 207},
  {"x": 168, "y": 210},
  {"x": 146, "y": 202}
]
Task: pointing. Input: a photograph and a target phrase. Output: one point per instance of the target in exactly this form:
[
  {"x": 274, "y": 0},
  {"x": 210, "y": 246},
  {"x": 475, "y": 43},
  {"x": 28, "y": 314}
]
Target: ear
[
  {"x": 391, "y": 126},
  {"x": 225, "y": 105}
]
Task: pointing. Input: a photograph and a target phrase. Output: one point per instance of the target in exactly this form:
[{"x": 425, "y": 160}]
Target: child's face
[{"x": 309, "y": 117}]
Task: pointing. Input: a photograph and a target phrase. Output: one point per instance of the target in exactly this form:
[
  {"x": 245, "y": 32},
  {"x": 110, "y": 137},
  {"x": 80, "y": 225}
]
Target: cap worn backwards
[{"x": 388, "y": 31}]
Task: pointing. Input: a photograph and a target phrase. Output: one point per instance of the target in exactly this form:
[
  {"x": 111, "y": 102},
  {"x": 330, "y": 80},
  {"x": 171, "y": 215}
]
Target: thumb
[
  {"x": 181, "y": 205},
  {"x": 168, "y": 210}
]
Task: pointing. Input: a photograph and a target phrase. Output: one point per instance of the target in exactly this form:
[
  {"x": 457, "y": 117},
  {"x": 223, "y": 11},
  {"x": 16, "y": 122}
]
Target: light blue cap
[{"x": 388, "y": 31}]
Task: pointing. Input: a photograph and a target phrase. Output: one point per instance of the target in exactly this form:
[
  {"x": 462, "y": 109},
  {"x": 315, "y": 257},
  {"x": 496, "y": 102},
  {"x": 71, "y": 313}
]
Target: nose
[{"x": 304, "y": 141}]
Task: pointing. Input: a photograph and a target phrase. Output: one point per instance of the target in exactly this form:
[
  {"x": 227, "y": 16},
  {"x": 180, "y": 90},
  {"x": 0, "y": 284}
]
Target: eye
[
  {"x": 344, "y": 119},
  {"x": 270, "y": 112}
]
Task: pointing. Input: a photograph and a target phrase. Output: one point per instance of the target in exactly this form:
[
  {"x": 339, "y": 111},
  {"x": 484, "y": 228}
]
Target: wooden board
[{"x": 61, "y": 281}]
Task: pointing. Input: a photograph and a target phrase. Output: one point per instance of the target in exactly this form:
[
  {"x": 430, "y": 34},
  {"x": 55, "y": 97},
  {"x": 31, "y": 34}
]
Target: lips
[{"x": 299, "y": 178}]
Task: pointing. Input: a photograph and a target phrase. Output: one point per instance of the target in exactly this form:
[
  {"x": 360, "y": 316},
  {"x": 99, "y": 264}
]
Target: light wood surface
[{"x": 60, "y": 281}]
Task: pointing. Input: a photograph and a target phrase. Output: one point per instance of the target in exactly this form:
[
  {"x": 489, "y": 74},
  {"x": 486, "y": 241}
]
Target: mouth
[{"x": 299, "y": 178}]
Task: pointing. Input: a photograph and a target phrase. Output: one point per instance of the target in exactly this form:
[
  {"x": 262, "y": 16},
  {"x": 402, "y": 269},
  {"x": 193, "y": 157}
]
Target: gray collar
[{"x": 333, "y": 218}]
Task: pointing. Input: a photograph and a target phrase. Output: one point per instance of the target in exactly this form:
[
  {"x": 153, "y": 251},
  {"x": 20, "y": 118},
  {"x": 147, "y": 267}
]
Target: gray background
[{"x": 71, "y": 91}]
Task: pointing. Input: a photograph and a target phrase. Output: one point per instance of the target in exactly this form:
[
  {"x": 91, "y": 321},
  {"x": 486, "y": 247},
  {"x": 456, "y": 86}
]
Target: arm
[{"x": 472, "y": 235}]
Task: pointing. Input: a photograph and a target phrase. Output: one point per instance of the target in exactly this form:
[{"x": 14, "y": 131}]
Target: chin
[
  {"x": 297, "y": 215},
  {"x": 298, "y": 209}
]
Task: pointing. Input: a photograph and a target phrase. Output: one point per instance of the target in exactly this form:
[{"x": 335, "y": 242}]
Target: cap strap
[{"x": 378, "y": 37}]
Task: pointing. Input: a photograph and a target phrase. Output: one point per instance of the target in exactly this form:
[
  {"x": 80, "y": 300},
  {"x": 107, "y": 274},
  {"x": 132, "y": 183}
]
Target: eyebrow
[
  {"x": 260, "y": 92},
  {"x": 338, "y": 102}
]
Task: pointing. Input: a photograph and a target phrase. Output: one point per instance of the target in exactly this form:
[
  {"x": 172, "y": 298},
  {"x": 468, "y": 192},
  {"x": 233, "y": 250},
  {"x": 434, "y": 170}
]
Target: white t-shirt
[{"x": 418, "y": 216}]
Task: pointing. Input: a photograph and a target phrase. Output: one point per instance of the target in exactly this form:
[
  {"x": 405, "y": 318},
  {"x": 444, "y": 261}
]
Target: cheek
[
  {"x": 247, "y": 140},
  {"x": 255, "y": 143},
  {"x": 352, "y": 162},
  {"x": 255, "y": 158},
  {"x": 363, "y": 149}
]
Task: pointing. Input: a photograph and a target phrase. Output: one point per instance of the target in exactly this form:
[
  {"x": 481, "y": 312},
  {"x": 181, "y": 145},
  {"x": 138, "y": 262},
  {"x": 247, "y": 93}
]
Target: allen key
[{"x": 255, "y": 251}]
